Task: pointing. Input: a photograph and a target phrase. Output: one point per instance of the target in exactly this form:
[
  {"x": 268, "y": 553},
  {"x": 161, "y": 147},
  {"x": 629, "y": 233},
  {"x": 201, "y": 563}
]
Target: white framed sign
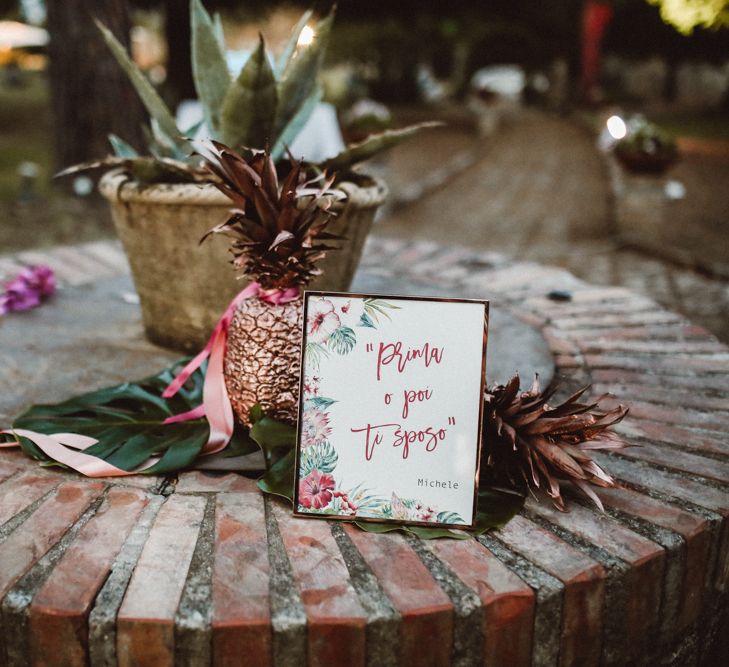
[{"x": 390, "y": 408}]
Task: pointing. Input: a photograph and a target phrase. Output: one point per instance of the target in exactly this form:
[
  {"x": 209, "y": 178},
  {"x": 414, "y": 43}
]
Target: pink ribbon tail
[
  {"x": 216, "y": 407},
  {"x": 277, "y": 297},
  {"x": 195, "y": 413},
  {"x": 67, "y": 448},
  {"x": 223, "y": 323}
]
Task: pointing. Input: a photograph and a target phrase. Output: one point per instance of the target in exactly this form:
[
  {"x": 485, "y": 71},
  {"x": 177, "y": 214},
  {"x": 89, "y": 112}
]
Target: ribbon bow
[{"x": 68, "y": 448}]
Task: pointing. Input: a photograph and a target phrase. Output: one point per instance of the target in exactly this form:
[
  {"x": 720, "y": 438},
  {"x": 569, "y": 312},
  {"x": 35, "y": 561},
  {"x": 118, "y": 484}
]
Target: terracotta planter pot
[{"x": 183, "y": 286}]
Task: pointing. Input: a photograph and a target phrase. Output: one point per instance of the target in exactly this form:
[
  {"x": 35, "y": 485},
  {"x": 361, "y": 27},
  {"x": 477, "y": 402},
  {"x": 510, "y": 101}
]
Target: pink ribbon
[{"x": 68, "y": 448}]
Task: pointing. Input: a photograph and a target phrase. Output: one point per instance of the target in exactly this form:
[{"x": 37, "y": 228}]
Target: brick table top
[{"x": 202, "y": 569}]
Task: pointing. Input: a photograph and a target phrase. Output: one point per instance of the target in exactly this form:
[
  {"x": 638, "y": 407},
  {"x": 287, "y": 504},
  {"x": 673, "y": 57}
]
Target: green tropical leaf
[
  {"x": 209, "y": 69},
  {"x": 255, "y": 413},
  {"x": 322, "y": 457},
  {"x": 372, "y": 145},
  {"x": 376, "y": 527},
  {"x": 342, "y": 340},
  {"x": 299, "y": 79},
  {"x": 496, "y": 507},
  {"x": 449, "y": 517},
  {"x": 376, "y": 307},
  {"x": 275, "y": 439},
  {"x": 314, "y": 352},
  {"x": 366, "y": 321},
  {"x": 241, "y": 444},
  {"x": 425, "y": 533},
  {"x": 279, "y": 478},
  {"x": 319, "y": 402},
  {"x": 249, "y": 106},
  {"x": 127, "y": 422},
  {"x": 156, "y": 108}
]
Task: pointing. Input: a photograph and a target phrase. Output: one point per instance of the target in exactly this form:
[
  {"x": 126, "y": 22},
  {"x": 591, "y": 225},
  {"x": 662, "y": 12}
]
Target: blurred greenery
[
  {"x": 677, "y": 123},
  {"x": 50, "y": 216},
  {"x": 25, "y": 133},
  {"x": 693, "y": 124}
]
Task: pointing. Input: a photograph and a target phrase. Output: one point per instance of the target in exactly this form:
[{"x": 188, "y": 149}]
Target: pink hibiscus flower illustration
[
  {"x": 314, "y": 428},
  {"x": 315, "y": 490},
  {"x": 311, "y": 386},
  {"x": 351, "y": 312},
  {"x": 322, "y": 321}
]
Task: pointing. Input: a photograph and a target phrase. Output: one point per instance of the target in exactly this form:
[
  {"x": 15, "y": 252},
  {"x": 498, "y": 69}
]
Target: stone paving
[
  {"x": 148, "y": 571},
  {"x": 539, "y": 190}
]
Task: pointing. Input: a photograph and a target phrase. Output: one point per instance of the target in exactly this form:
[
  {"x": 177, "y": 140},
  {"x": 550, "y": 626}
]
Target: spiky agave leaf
[
  {"x": 279, "y": 229},
  {"x": 534, "y": 444},
  {"x": 144, "y": 169},
  {"x": 374, "y": 144}
]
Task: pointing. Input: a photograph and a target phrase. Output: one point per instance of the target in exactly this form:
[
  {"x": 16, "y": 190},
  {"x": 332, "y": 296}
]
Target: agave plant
[{"x": 264, "y": 107}]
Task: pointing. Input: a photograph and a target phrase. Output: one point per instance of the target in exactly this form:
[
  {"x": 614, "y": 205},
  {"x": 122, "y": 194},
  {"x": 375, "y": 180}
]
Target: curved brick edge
[{"x": 203, "y": 570}]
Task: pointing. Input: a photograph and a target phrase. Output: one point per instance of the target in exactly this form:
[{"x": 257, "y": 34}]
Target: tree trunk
[
  {"x": 179, "y": 66},
  {"x": 90, "y": 94}
]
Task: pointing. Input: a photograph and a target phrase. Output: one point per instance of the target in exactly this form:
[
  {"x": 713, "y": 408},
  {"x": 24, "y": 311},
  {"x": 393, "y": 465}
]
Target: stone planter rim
[{"x": 116, "y": 186}]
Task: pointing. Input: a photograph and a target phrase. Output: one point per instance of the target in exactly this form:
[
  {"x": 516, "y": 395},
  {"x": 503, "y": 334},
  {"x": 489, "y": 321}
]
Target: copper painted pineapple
[{"x": 279, "y": 234}]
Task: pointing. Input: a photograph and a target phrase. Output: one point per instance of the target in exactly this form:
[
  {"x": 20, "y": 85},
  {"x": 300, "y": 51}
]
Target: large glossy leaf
[
  {"x": 210, "y": 71},
  {"x": 496, "y": 507},
  {"x": 372, "y": 145},
  {"x": 127, "y": 422},
  {"x": 149, "y": 96},
  {"x": 250, "y": 104},
  {"x": 298, "y": 81},
  {"x": 275, "y": 439},
  {"x": 279, "y": 478}
]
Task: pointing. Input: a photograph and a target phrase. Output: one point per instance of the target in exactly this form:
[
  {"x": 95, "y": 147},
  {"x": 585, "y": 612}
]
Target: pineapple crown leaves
[
  {"x": 540, "y": 445},
  {"x": 264, "y": 105},
  {"x": 279, "y": 230}
]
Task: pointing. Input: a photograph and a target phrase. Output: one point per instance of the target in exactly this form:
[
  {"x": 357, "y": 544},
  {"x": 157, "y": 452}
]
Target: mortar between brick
[
  {"x": 383, "y": 620},
  {"x": 11, "y": 524},
  {"x": 193, "y": 634},
  {"x": 288, "y": 617},
  {"x": 616, "y": 590},
  {"x": 549, "y": 592},
  {"x": 102, "y": 618},
  {"x": 17, "y": 602},
  {"x": 674, "y": 572},
  {"x": 468, "y": 612}
]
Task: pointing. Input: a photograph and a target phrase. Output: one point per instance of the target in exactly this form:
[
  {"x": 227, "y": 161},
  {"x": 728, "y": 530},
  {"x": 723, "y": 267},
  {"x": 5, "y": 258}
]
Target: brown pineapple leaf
[
  {"x": 548, "y": 445},
  {"x": 279, "y": 228}
]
